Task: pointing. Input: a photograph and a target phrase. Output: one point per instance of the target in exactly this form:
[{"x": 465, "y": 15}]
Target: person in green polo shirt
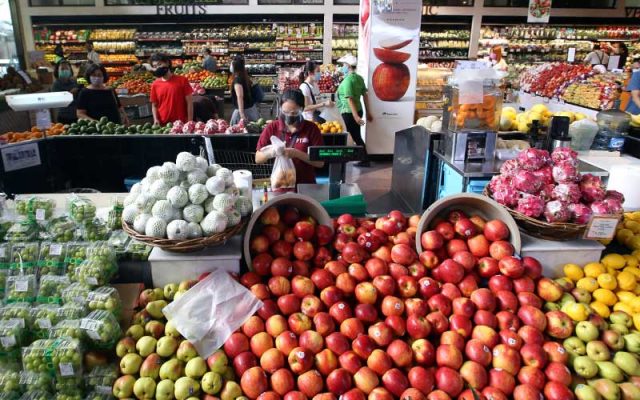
[{"x": 350, "y": 91}]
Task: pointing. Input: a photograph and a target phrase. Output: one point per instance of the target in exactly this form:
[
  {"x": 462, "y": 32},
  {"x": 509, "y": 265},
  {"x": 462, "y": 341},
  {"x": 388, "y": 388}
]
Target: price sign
[
  {"x": 602, "y": 227},
  {"x": 8, "y": 341},
  {"x": 44, "y": 323},
  {"x": 21, "y": 285},
  {"x": 40, "y": 214},
  {"x": 3, "y": 252},
  {"x": 66, "y": 369},
  {"x": 55, "y": 249},
  {"x": 20, "y": 156}
]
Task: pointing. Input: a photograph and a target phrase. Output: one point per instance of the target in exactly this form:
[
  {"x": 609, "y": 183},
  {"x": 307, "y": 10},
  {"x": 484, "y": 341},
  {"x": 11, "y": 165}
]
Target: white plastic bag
[
  {"x": 582, "y": 134},
  {"x": 332, "y": 114},
  {"x": 283, "y": 175},
  {"x": 211, "y": 311}
]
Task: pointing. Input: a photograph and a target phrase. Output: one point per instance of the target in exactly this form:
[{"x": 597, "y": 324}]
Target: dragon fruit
[
  {"x": 533, "y": 159},
  {"x": 527, "y": 181},
  {"x": 567, "y": 192},
  {"x": 211, "y": 128},
  {"x": 592, "y": 188},
  {"x": 615, "y": 205},
  {"x": 612, "y": 194},
  {"x": 580, "y": 213},
  {"x": 556, "y": 211},
  {"x": 499, "y": 181},
  {"x": 600, "y": 207},
  {"x": 189, "y": 127},
  {"x": 509, "y": 168},
  {"x": 531, "y": 206},
  {"x": 547, "y": 192},
  {"x": 565, "y": 172},
  {"x": 178, "y": 124},
  {"x": 564, "y": 154},
  {"x": 199, "y": 126},
  {"x": 545, "y": 174},
  {"x": 222, "y": 125}
]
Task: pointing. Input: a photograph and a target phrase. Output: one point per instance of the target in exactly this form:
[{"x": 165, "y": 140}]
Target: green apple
[
  {"x": 581, "y": 295},
  {"x": 218, "y": 361},
  {"x": 158, "y": 293},
  {"x": 144, "y": 388},
  {"x": 585, "y": 367},
  {"x": 171, "y": 330},
  {"x": 632, "y": 342},
  {"x": 574, "y": 345},
  {"x": 549, "y": 306},
  {"x": 565, "y": 299},
  {"x": 130, "y": 364},
  {"x": 155, "y": 308},
  {"x": 179, "y": 294},
  {"x": 166, "y": 346},
  {"x": 123, "y": 386},
  {"x": 186, "y": 351},
  {"x": 584, "y": 392},
  {"x": 629, "y": 391},
  {"x": 125, "y": 346},
  {"x": 230, "y": 391},
  {"x": 135, "y": 332},
  {"x": 146, "y": 345},
  {"x": 172, "y": 369},
  {"x": 195, "y": 368},
  {"x": 587, "y": 331},
  {"x": 164, "y": 390},
  {"x": 620, "y": 328},
  {"x": 609, "y": 370},
  {"x": 170, "y": 291},
  {"x": 185, "y": 387},
  {"x": 150, "y": 367},
  {"x": 607, "y": 388},
  {"x": 598, "y": 351},
  {"x": 211, "y": 382},
  {"x": 621, "y": 317},
  {"x": 627, "y": 362}
]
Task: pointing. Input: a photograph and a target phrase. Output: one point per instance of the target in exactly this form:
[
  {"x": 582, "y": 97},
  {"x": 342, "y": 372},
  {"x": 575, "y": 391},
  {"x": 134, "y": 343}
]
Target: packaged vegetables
[
  {"x": 35, "y": 208},
  {"x": 102, "y": 328},
  {"x": 61, "y": 229},
  {"x": 51, "y": 259},
  {"x": 76, "y": 293},
  {"x": 67, "y": 328},
  {"x": 51, "y": 287},
  {"x": 22, "y": 230},
  {"x": 19, "y": 311}
]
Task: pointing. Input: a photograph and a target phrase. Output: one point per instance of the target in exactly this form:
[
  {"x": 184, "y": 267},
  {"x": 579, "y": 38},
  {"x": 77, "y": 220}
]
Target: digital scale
[
  {"x": 336, "y": 157},
  {"x": 40, "y": 103}
]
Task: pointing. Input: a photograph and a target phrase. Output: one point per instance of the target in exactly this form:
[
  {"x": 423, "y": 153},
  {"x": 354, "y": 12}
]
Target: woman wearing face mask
[
  {"x": 245, "y": 108},
  {"x": 297, "y": 134},
  {"x": 498, "y": 62},
  {"x": 309, "y": 76},
  {"x": 97, "y": 100},
  {"x": 65, "y": 82}
]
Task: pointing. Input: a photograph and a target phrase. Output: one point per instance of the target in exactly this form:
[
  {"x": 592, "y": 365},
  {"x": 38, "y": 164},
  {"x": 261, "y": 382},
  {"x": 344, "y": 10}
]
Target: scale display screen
[{"x": 336, "y": 153}]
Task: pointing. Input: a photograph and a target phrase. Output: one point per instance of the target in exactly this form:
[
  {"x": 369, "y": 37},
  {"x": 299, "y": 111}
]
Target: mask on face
[
  {"x": 291, "y": 119},
  {"x": 64, "y": 73},
  {"x": 317, "y": 76},
  {"x": 493, "y": 56},
  {"x": 345, "y": 69},
  {"x": 161, "y": 71},
  {"x": 96, "y": 80}
]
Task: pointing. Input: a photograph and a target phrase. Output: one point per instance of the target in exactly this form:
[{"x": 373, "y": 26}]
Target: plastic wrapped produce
[
  {"x": 36, "y": 208},
  {"x": 615, "y": 206},
  {"x": 18, "y": 311},
  {"x": 36, "y": 395},
  {"x": 614, "y": 194},
  {"x": 556, "y": 211},
  {"x": 80, "y": 209},
  {"x": 138, "y": 251},
  {"x": 20, "y": 288},
  {"x": 115, "y": 214},
  {"x": 99, "y": 268},
  {"x": 33, "y": 381},
  {"x": 580, "y": 213},
  {"x": 69, "y": 388},
  {"x": 76, "y": 254},
  {"x": 5, "y": 224},
  {"x": 94, "y": 230},
  {"x": 102, "y": 328},
  {"x": 527, "y": 181},
  {"x": 564, "y": 154},
  {"x": 105, "y": 298},
  {"x": 533, "y": 159},
  {"x": 503, "y": 191},
  {"x": 44, "y": 317},
  {"x": 24, "y": 258},
  {"x": 592, "y": 188},
  {"x": 531, "y": 206},
  {"x": 565, "y": 172},
  {"x": 5, "y": 257},
  {"x": 567, "y": 193},
  {"x": 119, "y": 240},
  {"x": 67, "y": 328},
  {"x": 22, "y": 230},
  {"x": 547, "y": 192},
  {"x": 95, "y": 395},
  {"x": 61, "y": 230},
  {"x": 61, "y": 356},
  {"x": 72, "y": 311},
  {"x": 76, "y": 293},
  {"x": 12, "y": 338},
  {"x": 101, "y": 378},
  {"x": 9, "y": 377},
  {"x": 51, "y": 259}
]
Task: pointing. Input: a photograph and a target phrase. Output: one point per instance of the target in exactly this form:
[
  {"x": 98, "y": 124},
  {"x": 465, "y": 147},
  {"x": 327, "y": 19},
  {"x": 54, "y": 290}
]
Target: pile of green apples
[
  {"x": 605, "y": 355},
  {"x": 157, "y": 362}
]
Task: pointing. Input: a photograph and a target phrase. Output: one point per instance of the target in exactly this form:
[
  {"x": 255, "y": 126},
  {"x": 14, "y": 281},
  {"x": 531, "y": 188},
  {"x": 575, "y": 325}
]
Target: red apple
[
  {"x": 493, "y": 394},
  {"x": 339, "y": 381},
  {"x": 261, "y": 291},
  {"x": 465, "y": 228},
  {"x": 376, "y": 267},
  {"x": 449, "y": 271},
  {"x": 506, "y": 358},
  {"x": 282, "y": 381},
  {"x": 556, "y": 352},
  {"x": 511, "y": 267},
  {"x": 531, "y": 335},
  {"x": 502, "y": 380},
  {"x": 324, "y": 235},
  {"x": 281, "y": 266},
  {"x": 428, "y": 287},
  {"x": 253, "y": 325},
  {"x": 453, "y": 338},
  {"x": 243, "y": 362},
  {"x": 282, "y": 249},
  {"x": 300, "y": 360},
  {"x": 392, "y": 305},
  {"x": 236, "y": 343},
  {"x": 529, "y": 299},
  {"x": 322, "y": 278},
  {"x": 478, "y": 246},
  {"x": 501, "y": 249},
  {"x": 321, "y": 258},
  {"x": 439, "y": 322},
  {"x": 311, "y": 340},
  {"x": 338, "y": 343},
  {"x": 533, "y": 355},
  {"x": 511, "y": 338},
  {"x": 507, "y": 301},
  {"x": 486, "y": 318},
  {"x": 286, "y": 341},
  {"x": 350, "y": 361},
  {"x": 474, "y": 374},
  {"x": 260, "y": 343},
  {"x": 340, "y": 311},
  {"x": 533, "y": 317},
  {"x": 418, "y": 327},
  {"x": 463, "y": 306},
  {"x": 303, "y": 251},
  {"x": 379, "y": 362},
  {"x": 403, "y": 254},
  {"x": 477, "y": 351},
  {"x": 524, "y": 284},
  {"x": 272, "y": 360},
  {"x": 532, "y": 376},
  {"x": 429, "y": 259},
  {"x": 323, "y": 323},
  {"x": 488, "y": 267},
  {"x": 449, "y": 381},
  {"x": 549, "y": 290},
  {"x": 259, "y": 244},
  {"x": 251, "y": 278},
  {"x": 526, "y": 392},
  {"x": 331, "y": 295},
  {"x": 289, "y": 304},
  {"x": 395, "y": 381},
  {"x": 335, "y": 267},
  {"x": 304, "y": 230},
  {"x": 559, "y": 325},
  {"x": 431, "y": 240},
  {"x": 423, "y": 352},
  {"x": 380, "y": 393},
  {"x": 366, "y": 380},
  {"x": 500, "y": 282},
  {"x": 310, "y": 383},
  {"x": 448, "y": 356},
  {"x": 326, "y": 361},
  {"x": 298, "y": 323},
  {"x": 301, "y": 268},
  {"x": 496, "y": 230},
  {"x": 310, "y": 305},
  {"x": 455, "y": 245},
  {"x": 557, "y": 391},
  {"x": 461, "y": 325},
  {"x": 358, "y": 271},
  {"x": 532, "y": 268},
  {"x": 366, "y": 313},
  {"x": 380, "y": 333},
  {"x": 254, "y": 382},
  {"x": 417, "y": 270},
  {"x": 484, "y": 299},
  {"x": 422, "y": 379},
  {"x": 407, "y": 286},
  {"x": 400, "y": 353},
  {"x": 557, "y": 372},
  {"x": 351, "y": 328},
  {"x": 353, "y": 253},
  {"x": 269, "y": 308},
  {"x": 440, "y": 302},
  {"x": 486, "y": 335},
  {"x": 363, "y": 345}
]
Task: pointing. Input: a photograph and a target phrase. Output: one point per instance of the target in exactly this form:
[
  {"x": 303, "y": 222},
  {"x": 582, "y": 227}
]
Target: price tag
[
  {"x": 91, "y": 280},
  {"x": 601, "y": 227},
  {"x": 21, "y": 285},
  {"x": 104, "y": 389},
  {"x": 44, "y": 323},
  {"x": 8, "y": 341},
  {"x": 66, "y": 369},
  {"x": 21, "y": 156},
  {"x": 40, "y": 214},
  {"x": 3, "y": 252},
  {"x": 91, "y": 327},
  {"x": 55, "y": 249}
]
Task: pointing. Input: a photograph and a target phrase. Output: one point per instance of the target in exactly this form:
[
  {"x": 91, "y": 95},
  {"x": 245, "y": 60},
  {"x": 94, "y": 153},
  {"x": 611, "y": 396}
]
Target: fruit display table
[{"x": 526, "y": 101}]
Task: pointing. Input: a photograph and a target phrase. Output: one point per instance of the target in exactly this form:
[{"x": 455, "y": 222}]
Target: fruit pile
[
  {"x": 597, "y": 92},
  {"x": 551, "y": 79},
  {"x": 198, "y": 76},
  {"x": 106, "y": 127},
  {"x": 184, "y": 200},
  {"x": 197, "y": 88},
  {"x": 510, "y": 119},
  {"x": 628, "y": 232},
  {"x": 538, "y": 184},
  {"x": 330, "y": 127},
  {"x": 383, "y": 322},
  {"x": 215, "y": 82},
  {"x": 157, "y": 362},
  {"x": 477, "y": 116}
]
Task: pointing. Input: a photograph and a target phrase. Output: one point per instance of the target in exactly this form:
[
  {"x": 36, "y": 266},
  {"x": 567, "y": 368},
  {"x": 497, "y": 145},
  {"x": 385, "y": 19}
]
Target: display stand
[
  {"x": 527, "y": 101},
  {"x": 554, "y": 255}
]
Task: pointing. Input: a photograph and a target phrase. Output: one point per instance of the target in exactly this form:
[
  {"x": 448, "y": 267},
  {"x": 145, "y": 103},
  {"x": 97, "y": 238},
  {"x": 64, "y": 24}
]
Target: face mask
[
  {"x": 161, "y": 71},
  {"x": 96, "y": 80},
  {"x": 345, "y": 69},
  {"x": 493, "y": 56},
  {"x": 291, "y": 119},
  {"x": 64, "y": 73},
  {"x": 317, "y": 76}
]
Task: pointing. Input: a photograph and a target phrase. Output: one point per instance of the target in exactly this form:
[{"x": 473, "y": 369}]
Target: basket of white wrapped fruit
[{"x": 185, "y": 206}]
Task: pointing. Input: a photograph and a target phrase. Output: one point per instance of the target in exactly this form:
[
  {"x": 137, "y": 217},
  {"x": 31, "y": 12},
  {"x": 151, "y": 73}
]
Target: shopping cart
[{"x": 235, "y": 160}]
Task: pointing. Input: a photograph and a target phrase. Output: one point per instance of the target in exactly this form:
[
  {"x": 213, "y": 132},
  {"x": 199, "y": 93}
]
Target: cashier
[{"x": 297, "y": 134}]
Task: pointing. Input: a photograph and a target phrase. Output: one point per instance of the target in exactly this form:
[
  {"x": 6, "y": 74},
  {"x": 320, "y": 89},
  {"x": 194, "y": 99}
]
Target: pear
[
  {"x": 154, "y": 308},
  {"x": 211, "y": 382},
  {"x": 170, "y": 291},
  {"x": 629, "y": 391},
  {"x": 146, "y": 345},
  {"x": 584, "y": 392},
  {"x": 171, "y": 330},
  {"x": 158, "y": 293},
  {"x": 186, "y": 351},
  {"x": 230, "y": 391},
  {"x": 632, "y": 342},
  {"x": 185, "y": 387},
  {"x": 130, "y": 364},
  {"x": 609, "y": 370},
  {"x": 172, "y": 369},
  {"x": 195, "y": 368},
  {"x": 627, "y": 362},
  {"x": 166, "y": 346},
  {"x": 144, "y": 388},
  {"x": 126, "y": 345},
  {"x": 135, "y": 331},
  {"x": 164, "y": 390},
  {"x": 606, "y": 388}
]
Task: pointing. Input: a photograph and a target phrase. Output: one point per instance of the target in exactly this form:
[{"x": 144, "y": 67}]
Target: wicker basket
[
  {"x": 186, "y": 246},
  {"x": 556, "y": 231}
]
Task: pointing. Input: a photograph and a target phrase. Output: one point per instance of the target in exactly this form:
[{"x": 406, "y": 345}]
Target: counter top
[{"x": 606, "y": 162}]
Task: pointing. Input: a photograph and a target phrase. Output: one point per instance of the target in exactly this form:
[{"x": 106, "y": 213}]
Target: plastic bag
[
  {"x": 582, "y": 134},
  {"x": 211, "y": 311},
  {"x": 332, "y": 114},
  {"x": 283, "y": 175}
]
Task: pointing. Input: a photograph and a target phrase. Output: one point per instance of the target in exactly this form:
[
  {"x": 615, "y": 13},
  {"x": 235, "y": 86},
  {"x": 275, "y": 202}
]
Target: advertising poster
[
  {"x": 539, "y": 11},
  {"x": 388, "y": 58}
]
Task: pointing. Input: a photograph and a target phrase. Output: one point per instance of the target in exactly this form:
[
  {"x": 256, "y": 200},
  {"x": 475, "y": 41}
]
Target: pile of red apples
[{"x": 353, "y": 312}]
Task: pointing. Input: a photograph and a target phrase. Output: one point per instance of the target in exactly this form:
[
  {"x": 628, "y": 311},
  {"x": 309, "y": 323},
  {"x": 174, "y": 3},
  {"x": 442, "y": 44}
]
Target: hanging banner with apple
[
  {"x": 388, "y": 51},
  {"x": 539, "y": 11}
]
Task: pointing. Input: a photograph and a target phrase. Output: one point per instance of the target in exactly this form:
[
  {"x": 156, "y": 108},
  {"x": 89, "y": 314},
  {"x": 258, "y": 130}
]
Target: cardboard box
[{"x": 554, "y": 255}]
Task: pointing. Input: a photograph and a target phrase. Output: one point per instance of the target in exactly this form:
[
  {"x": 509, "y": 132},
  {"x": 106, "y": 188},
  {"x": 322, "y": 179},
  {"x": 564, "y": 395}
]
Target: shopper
[
  {"x": 241, "y": 93},
  {"x": 171, "y": 95},
  {"x": 97, "y": 100},
  {"x": 208, "y": 61},
  {"x": 92, "y": 55},
  {"x": 597, "y": 56},
  {"x": 350, "y": 91},
  {"x": 297, "y": 134},
  {"x": 309, "y": 76},
  {"x": 65, "y": 82},
  {"x": 620, "y": 49},
  {"x": 497, "y": 60},
  {"x": 633, "y": 107},
  {"x": 59, "y": 54}
]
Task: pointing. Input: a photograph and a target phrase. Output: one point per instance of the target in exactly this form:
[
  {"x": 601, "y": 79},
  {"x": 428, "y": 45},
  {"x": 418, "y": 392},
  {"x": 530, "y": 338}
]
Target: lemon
[
  {"x": 626, "y": 280},
  {"x": 600, "y": 309},
  {"x": 636, "y": 321},
  {"x": 576, "y": 311},
  {"x": 623, "y": 307},
  {"x": 635, "y": 216},
  {"x": 594, "y": 269},
  {"x": 626, "y": 297},
  {"x": 634, "y": 226},
  {"x": 605, "y": 296},
  {"x": 636, "y": 254},
  {"x": 573, "y": 272},
  {"x": 634, "y": 243},
  {"x": 588, "y": 284},
  {"x": 635, "y": 271},
  {"x": 614, "y": 260},
  {"x": 623, "y": 235},
  {"x": 637, "y": 290},
  {"x": 612, "y": 271},
  {"x": 607, "y": 281},
  {"x": 632, "y": 261}
]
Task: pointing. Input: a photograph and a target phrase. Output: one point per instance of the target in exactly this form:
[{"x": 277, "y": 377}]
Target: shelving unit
[
  {"x": 344, "y": 39},
  {"x": 430, "y": 97},
  {"x": 442, "y": 42}
]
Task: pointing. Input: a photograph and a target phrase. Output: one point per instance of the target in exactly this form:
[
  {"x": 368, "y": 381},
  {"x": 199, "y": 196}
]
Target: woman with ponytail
[{"x": 309, "y": 77}]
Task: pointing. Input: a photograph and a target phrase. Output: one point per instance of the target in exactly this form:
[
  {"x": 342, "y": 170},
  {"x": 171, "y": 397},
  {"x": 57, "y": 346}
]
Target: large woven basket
[
  {"x": 186, "y": 246},
  {"x": 556, "y": 231}
]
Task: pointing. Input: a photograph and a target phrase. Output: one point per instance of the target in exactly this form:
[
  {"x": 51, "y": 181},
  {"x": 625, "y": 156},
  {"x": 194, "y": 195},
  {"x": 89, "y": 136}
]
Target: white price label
[
  {"x": 8, "y": 341},
  {"x": 3, "y": 252},
  {"x": 103, "y": 389},
  {"x": 21, "y": 156},
  {"x": 91, "y": 280},
  {"x": 91, "y": 326},
  {"x": 66, "y": 369},
  {"x": 55, "y": 249},
  {"x": 602, "y": 227},
  {"x": 40, "y": 214},
  {"x": 21, "y": 285},
  {"x": 44, "y": 323}
]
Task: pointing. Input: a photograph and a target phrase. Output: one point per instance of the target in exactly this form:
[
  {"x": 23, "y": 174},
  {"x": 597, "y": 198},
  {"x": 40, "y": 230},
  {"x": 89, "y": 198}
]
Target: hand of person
[
  {"x": 329, "y": 103},
  {"x": 125, "y": 120},
  {"x": 359, "y": 120},
  {"x": 292, "y": 153},
  {"x": 156, "y": 122}
]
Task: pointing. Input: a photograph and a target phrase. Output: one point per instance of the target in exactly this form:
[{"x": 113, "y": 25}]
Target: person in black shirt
[
  {"x": 97, "y": 100},
  {"x": 65, "y": 82},
  {"x": 241, "y": 93}
]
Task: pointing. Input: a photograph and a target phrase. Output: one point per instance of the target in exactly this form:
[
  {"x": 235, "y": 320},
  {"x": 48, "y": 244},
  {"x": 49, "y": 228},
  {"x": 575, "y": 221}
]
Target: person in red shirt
[
  {"x": 297, "y": 134},
  {"x": 170, "y": 94}
]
